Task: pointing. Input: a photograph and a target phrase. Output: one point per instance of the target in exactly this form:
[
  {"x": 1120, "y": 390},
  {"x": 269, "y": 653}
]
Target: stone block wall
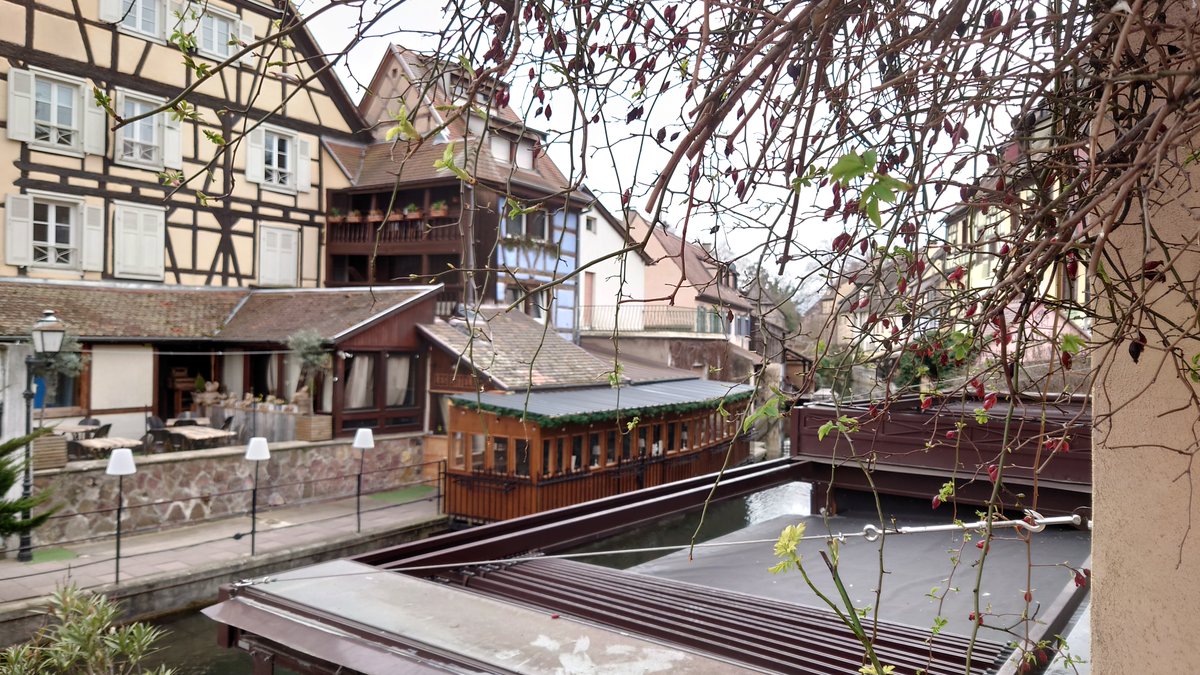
[{"x": 173, "y": 488}]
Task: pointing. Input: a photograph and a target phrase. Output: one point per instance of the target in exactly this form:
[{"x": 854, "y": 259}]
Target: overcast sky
[{"x": 414, "y": 24}]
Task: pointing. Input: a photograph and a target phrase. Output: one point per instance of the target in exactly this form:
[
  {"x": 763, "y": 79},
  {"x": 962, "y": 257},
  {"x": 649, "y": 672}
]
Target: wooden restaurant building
[{"x": 515, "y": 454}]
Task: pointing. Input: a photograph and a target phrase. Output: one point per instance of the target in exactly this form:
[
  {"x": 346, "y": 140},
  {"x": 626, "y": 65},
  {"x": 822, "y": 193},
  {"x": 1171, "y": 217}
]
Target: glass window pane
[
  {"x": 547, "y": 463},
  {"x": 611, "y": 449},
  {"x": 478, "y": 451},
  {"x": 499, "y": 454},
  {"x": 594, "y": 445},
  {"x": 576, "y": 452},
  {"x": 521, "y": 449},
  {"x": 360, "y": 381}
]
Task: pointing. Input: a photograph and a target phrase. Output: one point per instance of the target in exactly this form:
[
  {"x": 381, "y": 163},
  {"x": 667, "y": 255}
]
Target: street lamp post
[
  {"x": 47, "y": 337},
  {"x": 120, "y": 464},
  {"x": 363, "y": 441},
  {"x": 257, "y": 452}
]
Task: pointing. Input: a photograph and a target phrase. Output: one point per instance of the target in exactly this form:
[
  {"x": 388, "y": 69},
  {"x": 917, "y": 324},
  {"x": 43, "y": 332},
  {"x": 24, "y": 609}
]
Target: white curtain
[
  {"x": 291, "y": 375},
  {"x": 360, "y": 382},
  {"x": 272, "y": 375},
  {"x": 397, "y": 380}
]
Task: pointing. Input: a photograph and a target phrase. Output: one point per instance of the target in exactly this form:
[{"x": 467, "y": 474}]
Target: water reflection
[{"x": 722, "y": 518}]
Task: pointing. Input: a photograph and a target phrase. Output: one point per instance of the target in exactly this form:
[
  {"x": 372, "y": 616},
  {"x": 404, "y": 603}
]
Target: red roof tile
[
  {"x": 99, "y": 311},
  {"x": 516, "y": 352},
  {"x": 117, "y": 310},
  {"x": 273, "y": 316}
]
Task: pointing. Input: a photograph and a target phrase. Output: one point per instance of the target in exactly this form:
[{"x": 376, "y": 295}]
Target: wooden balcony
[
  {"x": 486, "y": 496},
  {"x": 344, "y": 235}
]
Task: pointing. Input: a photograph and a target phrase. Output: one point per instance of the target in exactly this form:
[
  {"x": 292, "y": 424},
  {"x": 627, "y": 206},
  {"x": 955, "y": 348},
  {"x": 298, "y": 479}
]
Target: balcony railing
[
  {"x": 635, "y": 318},
  {"x": 393, "y": 231}
]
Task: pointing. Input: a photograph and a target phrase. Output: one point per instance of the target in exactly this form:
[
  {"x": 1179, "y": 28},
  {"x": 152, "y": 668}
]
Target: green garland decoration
[{"x": 548, "y": 422}]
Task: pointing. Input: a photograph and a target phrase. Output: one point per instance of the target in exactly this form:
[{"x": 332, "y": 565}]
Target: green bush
[{"x": 81, "y": 637}]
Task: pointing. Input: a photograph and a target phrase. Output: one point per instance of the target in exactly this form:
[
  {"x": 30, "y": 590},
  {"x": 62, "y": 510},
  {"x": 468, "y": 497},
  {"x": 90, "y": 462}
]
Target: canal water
[{"x": 191, "y": 649}]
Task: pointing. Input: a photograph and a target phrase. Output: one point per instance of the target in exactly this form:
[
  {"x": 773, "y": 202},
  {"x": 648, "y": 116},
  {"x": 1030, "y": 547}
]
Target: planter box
[
  {"x": 439, "y": 213},
  {"x": 49, "y": 452},
  {"x": 412, "y": 215},
  {"x": 314, "y": 427}
]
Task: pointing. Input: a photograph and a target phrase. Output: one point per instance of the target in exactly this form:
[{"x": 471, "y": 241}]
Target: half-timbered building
[
  {"x": 499, "y": 237},
  {"x": 226, "y": 189}
]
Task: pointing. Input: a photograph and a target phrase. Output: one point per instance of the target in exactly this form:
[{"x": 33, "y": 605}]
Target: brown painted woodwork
[
  {"x": 499, "y": 491},
  {"x": 909, "y": 454}
]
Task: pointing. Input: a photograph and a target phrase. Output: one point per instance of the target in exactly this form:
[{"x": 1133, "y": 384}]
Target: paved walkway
[{"x": 171, "y": 553}]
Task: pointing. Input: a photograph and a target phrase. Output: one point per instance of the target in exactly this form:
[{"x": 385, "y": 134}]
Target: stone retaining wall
[{"x": 172, "y": 488}]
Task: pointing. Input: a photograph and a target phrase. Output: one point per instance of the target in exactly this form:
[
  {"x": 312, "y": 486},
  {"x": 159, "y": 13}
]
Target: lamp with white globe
[
  {"x": 363, "y": 441},
  {"x": 120, "y": 464},
  {"x": 257, "y": 452}
]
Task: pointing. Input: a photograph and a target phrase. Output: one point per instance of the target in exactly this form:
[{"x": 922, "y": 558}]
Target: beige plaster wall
[
  {"x": 122, "y": 376},
  {"x": 1145, "y": 562}
]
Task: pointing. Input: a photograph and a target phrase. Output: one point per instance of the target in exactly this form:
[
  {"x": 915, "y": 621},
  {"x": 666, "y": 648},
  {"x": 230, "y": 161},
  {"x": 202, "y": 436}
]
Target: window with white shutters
[
  {"x": 278, "y": 255},
  {"x": 278, "y": 159},
  {"x": 139, "y": 241},
  {"x": 143, "y": 16},
  {"x": 217, "y": 35},
  {"x": 49, "y": 110},
  {"x": 152, "y": 142},
  {"x": 45, "y": 229}
]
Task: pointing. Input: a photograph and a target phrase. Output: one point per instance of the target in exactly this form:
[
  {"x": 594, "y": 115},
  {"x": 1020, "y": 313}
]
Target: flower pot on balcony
[
  {"x": 354, "y": 217},
  {"x": 435, "y": 212},
  {"x": 314, "y": 427},
  {"x": 375, "y": 216},
  {"x": 49, "y": 452},
  {"x": 412, "y": 215},
  {"x": 335, "y": 219}
]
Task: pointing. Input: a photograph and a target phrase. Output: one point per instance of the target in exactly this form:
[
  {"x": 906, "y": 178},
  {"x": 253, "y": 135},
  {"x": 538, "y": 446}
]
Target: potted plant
[
  {"x": 335, "y": 216},
  {"x": 309, "y": 347},
  {"x": 439, "y": 209},
  {"x": 355, "y": 216},
  {"x": 375, "y": 216},
  {"x": 412, "y": 212}
]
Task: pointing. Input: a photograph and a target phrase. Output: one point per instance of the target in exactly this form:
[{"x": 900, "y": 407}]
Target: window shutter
[
  {"x": 111, "y": 10},
  {"x": 125, "y": 240},
  {"x": 172, "y": 140},
  {"x": 268, "y": 256},
  {"x": 287, "y": 257},
  {"x": 153, "y": 225},
  {"x": 20, "y": 105},
  {"x": 18, "y": 239},
  {"x": 139, "y": 235},
  {"x": 246, "y": 35},
  {"x": 91, "y": 243},
  {"x": 303, "y": 166},
  {"x": 254, "y": 155},
  {"x": 95, "y": 125}
]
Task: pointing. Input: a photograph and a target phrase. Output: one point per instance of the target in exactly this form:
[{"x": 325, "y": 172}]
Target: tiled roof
[
  {"x": 100, "y": 311},
  {"x": 273, "y": 316},
  {"x": 518, "y": 353},
  {"x": 117, "y": 310},
  {"x": 636, "y": 369},
  {"x": 383, "y": 164},
  {"x": 699, "y": 266}
]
